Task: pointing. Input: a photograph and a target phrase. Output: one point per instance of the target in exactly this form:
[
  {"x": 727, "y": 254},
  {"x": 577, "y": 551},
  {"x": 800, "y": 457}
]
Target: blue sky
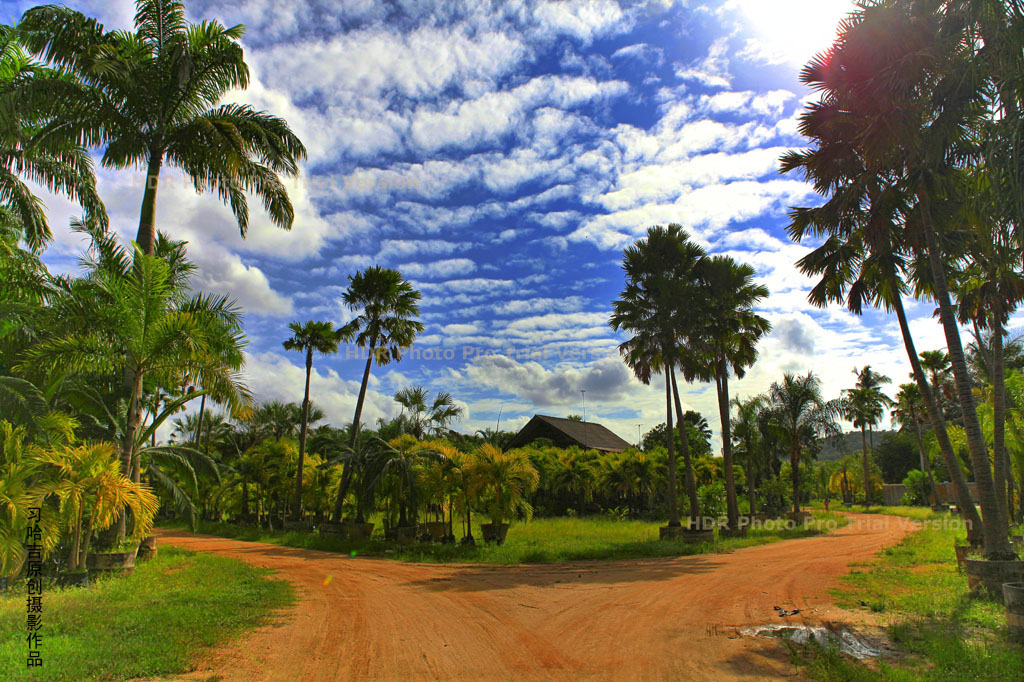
[{"x": 501, "y": 156}]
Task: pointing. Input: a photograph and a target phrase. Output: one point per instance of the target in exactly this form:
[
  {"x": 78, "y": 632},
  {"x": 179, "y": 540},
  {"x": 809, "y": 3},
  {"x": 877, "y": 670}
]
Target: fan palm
[
  {"x": 309, "y": 338},
  {"x": 730, "y": 332},
  {"x": 387, "y": 306},
  {"x": 152, "y": 97},
  {"x": 870, "y": 221},
  {"x": 802, "y": 418},
  {"x": 660, "y": 273},
  {"x": 904, "y": 80}
]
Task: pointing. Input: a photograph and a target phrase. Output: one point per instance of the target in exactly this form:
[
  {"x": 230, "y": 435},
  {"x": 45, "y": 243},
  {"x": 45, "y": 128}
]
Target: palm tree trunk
[
  {"x": 690, "y": 480},
  {"x": 750, "y": 482},
  {"x": 346, "y": 472},
  {"x": 199, "y": 429},
  {"x": 995, "y": 530},
  {"x": 146, "y": 237},
  {"x": 964, "y": 504},
  {"x": 794, "y": 462},
  {"x": 926, "y": 466},
  {"x": 731, "y": 505},
  {"x": 297, "y": 504},
  {"x": 999, "y": 474},
  {"x": 864, "y": 462},
  {"x": 673, "y": 502},
  {"x": 360, "y": 399}
]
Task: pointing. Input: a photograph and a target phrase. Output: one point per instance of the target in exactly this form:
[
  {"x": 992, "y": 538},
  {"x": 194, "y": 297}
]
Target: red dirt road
[{"x": 651, "y": 619}]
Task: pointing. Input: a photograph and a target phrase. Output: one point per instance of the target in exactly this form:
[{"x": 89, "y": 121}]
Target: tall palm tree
[
  {"x": 747, "y": 436},
  {"x": 152, "y": 97},
  {"x": 35, "y": 146},
  {"x": 803, "y": 417},
  {"x": 730, "y": 332},
  {"x": 905, "y": 80},
  {"x": 426, "y": 416},
  {"x": 868, "y": 248},
  {"x": 907, "y": 411},
  {"x": 309, "y": 338},
  {"x": 864, "y": 405},
  {"x": 387, "y": 306},
  {"x": 660, "y": 273}
]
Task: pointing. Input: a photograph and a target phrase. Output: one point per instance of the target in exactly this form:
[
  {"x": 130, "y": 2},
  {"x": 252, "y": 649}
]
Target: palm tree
[
  {"x": 153, "y": 98},
  {"x": 867, "y": 250},
  {"x": 504, "y": 481},
  {"x": 400, "y": 457},
  {"x": 907, "y": 411},
  {"x": 427, "y": 416},
  {"x": 36, "y": 146},
  {"x": 864, "y": 407},
  {"x": 309, "y": 338},
  {"x": 387, "y": 306},
  {"x": 131, "y": 318},
  {"x": 803, "y": 417},
  {"x": 896, "y": 81},
  {"x": 660, "y": 275},
  {"x": 730, "y": 332},
  {"x": 93, "y": 494},
  {"x": 747, "y": 436}
]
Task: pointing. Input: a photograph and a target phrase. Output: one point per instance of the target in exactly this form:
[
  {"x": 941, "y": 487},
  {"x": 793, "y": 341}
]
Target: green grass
[
  {"x": 542, "y": 540},
  {"x": 915, "y": 585},
  {"x": 151, "y": 623}
]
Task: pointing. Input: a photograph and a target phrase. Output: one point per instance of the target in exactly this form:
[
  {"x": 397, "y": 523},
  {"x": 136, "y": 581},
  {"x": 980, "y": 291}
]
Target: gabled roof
[{"x": 568, "y": 432}]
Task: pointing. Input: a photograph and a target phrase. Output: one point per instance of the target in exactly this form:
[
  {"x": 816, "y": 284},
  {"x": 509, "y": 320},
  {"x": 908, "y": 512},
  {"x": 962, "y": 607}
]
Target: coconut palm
[
  {"x": 152, "y": 98},
  {"x": 387, "y": 306},
  {"x": 802, "y": 417},
  {"x": 426, "y": 416},
  {"x": 35, "y": 147},
  {"x": 730, "y": 330},
  {"x": 400, "y": 457},
  {"x": 309, "y": 338},
  {"x": 908, "y": 411},
  {"x": 660, "y": 275}
]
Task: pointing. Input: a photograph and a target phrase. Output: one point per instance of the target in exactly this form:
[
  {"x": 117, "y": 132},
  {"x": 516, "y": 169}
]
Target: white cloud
[{"x": 438, "y": 269}]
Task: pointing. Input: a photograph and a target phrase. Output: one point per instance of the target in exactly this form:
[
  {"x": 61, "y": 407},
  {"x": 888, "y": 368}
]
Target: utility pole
[{"x": 583, "y": 392}]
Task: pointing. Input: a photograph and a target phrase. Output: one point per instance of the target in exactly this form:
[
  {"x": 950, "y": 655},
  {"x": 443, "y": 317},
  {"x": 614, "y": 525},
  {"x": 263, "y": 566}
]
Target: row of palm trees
[{"x": 914, "y": 145}]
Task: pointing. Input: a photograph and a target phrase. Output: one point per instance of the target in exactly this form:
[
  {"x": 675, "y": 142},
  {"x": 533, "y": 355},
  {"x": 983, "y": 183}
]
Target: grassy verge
[
  {"x": 541, "y": 540},
  {"x": 945, "y": 634},
  {"x": 151, "y": 623}
]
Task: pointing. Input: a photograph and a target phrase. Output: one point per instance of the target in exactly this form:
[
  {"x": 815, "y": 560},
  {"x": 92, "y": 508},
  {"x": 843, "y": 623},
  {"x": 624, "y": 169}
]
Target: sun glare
[{"x": 791, "y": 30}]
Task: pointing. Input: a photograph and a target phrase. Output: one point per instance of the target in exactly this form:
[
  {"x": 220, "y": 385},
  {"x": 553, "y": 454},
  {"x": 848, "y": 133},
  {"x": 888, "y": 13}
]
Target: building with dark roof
[{"x": 564, "y": 433}]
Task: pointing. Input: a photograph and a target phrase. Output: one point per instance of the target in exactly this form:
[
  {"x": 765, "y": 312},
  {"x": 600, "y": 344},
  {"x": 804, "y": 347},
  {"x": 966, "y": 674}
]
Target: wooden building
[{"x": 564, "y": 433}]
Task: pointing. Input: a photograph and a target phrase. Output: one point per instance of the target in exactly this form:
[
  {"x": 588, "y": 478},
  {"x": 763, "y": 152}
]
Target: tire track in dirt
[{"x": 631, "y": 620}]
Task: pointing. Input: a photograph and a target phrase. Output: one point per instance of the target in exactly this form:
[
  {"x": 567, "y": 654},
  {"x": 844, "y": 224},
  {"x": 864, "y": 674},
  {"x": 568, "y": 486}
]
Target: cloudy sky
[{"x": 501, "y": 156}]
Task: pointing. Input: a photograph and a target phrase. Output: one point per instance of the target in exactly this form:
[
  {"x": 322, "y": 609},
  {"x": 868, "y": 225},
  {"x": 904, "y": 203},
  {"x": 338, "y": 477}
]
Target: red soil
[{"x": 649, "y": 619}]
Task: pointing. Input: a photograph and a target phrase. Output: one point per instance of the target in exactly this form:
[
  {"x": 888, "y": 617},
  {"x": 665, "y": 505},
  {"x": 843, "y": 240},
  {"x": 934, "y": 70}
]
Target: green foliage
[
  {"x": 712, "y": 499},
  {"x": 918, "y": 488},
  {"x": 896, "y": 455}
]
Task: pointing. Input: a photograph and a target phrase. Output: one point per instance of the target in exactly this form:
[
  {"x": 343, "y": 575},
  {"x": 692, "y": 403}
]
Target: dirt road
[{"x": 651, "y": 619}]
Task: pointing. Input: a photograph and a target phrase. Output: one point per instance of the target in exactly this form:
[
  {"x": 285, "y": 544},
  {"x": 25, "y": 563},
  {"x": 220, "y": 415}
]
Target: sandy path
[{"x": 651, "y": 619}]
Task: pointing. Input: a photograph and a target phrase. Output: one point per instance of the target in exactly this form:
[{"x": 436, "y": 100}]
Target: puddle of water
[{"x": 845, "y": 641}]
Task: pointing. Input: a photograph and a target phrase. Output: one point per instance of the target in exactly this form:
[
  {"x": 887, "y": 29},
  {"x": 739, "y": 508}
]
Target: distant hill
[{"x": 833, "y": 451}]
